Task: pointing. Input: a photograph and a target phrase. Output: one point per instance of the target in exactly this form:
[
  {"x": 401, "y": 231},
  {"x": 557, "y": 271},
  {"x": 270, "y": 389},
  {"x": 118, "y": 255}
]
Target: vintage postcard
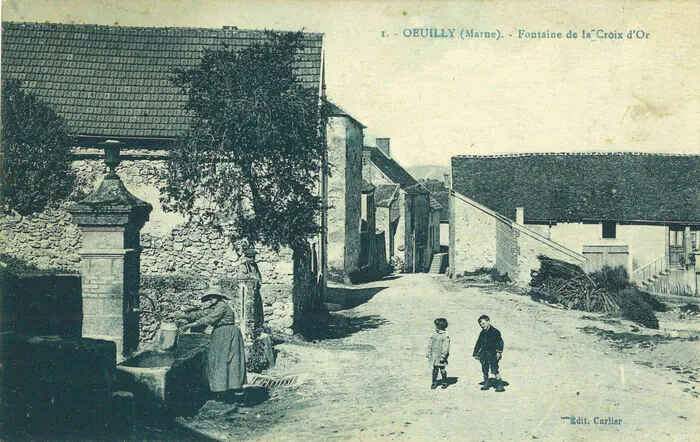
[{"x": 362, "y": 220}]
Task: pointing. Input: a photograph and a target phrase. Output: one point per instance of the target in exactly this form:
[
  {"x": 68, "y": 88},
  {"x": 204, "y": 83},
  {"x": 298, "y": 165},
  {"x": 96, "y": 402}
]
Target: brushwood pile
[{"x": 607, "y": 290}]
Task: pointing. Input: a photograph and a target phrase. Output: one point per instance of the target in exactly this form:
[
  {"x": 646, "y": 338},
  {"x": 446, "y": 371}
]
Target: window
[
  {"x": 676, "y": 237},
  {"x": 609, "y": 229}
]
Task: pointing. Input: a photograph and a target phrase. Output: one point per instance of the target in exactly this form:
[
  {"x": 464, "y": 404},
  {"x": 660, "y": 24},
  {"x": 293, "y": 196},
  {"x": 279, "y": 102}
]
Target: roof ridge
[{"x": 535, "y": 154}]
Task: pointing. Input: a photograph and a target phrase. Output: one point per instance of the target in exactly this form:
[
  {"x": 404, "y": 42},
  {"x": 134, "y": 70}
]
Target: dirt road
[{"x": 370, "y": 380}]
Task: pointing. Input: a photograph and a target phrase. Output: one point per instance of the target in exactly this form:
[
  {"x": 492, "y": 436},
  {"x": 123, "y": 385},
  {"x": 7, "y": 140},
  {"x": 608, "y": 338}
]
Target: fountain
[
  {"x": 110, "y": 220},
  {"x": 168, "y": 375}
]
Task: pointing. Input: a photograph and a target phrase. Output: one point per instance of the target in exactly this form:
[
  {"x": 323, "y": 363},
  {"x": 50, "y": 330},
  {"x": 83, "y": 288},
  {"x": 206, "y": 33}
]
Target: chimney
[
  {"x": 520, "y": 215},
  {"x": 446, "y": 180},
  {"x": 383, "y": 145}
]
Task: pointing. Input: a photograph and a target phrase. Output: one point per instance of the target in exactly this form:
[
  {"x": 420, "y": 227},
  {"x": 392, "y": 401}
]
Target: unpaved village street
[{"x": 370, "y": 379}]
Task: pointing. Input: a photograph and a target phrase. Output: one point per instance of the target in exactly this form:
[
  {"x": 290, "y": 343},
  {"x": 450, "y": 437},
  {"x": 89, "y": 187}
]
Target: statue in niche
[{"x": 250, "y": 298}]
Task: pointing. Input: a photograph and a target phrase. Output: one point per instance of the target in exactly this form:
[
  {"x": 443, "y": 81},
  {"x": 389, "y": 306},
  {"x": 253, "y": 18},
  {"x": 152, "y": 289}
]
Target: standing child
[
  {"x": 439, "y": 351},
  {"x": 488, "y": 350}
]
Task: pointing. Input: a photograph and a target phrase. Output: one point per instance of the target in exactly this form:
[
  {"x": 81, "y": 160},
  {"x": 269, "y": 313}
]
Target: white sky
[{"x": 441, "y": 97}]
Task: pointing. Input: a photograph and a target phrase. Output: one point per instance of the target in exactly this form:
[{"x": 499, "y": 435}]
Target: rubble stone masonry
[{"x": 170, "y": 245}]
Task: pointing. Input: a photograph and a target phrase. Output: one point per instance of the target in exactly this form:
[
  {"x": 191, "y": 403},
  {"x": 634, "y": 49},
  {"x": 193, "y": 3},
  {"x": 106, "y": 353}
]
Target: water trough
[{"x": 173, "y": 382}]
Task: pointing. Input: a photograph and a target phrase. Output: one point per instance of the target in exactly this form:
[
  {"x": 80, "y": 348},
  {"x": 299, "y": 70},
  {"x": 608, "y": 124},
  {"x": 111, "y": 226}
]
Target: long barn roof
[
  {"x": 584, "y": 187},
  {"x": 114, "y": 81}
]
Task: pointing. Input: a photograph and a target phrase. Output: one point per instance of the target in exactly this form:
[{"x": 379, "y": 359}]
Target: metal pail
[{"x": 168, "y": 336}]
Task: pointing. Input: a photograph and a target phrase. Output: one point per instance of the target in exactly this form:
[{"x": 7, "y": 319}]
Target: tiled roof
[
  {"x": 584, "y": 187},
  {"x": 114, "y": 81},
  {"x": 417, "y": 189},
  {"x": 385, "y": 193},
  {"x": 441, "y": 194},
  {"x": 434, "y": 205},
  {"x": 391, "y": 168},
  {"x": 337, "y": 111}
]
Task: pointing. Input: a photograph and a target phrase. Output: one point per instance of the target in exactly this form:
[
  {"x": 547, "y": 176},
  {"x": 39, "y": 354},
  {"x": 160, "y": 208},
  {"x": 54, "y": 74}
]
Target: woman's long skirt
[{"x": 226, "y": 359}]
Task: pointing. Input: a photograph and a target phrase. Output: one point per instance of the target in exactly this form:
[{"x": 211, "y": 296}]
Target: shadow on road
[
  {"x": 390, "y": 277},
  {"x": 451, "y": 380},
  {"x": 349, "y": 297},
  {"x": 341, "y": 325}
]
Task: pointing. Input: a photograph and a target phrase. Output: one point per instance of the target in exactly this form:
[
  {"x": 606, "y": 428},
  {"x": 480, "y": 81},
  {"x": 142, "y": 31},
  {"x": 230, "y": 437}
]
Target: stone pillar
[
  {"x": 251, "y": 308},
  {"x": 110, "y": 220}
]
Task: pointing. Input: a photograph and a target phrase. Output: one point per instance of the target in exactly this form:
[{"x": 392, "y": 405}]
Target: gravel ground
[{"x": 368, "y": 378}]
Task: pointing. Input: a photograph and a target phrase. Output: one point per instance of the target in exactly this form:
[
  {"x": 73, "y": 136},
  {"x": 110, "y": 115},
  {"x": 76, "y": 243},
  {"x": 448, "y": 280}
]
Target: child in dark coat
[
  {"x": 439, "y": 351},
  {"x": 488, "y": 350}
]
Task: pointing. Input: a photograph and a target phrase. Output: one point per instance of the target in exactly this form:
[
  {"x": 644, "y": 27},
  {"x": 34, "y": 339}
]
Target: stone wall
[
  {"x": 171, "y": 245},
  {"x": 47, "y": 240},
  {"x": 434, "y": 231},
  {"x": 472, "y": 237},
  {"x": 382, "y": 220},
  {"x": 344, "y": 137},
  {"x": 481, "y": 238},
  {"x": 417, "y": 217},
  {"x": 526, "y": 246},
  {"x": 506, "y": 248}
]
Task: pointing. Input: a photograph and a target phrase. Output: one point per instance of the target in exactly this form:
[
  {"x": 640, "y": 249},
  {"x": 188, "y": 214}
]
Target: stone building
[
  {"x": 113, "y": 83},
  {"x": 404, "y": 209},
  {"x": 434, "y": 237},
  {"x": 640, "y": 211},
  {"x": 344, "y": 138}
]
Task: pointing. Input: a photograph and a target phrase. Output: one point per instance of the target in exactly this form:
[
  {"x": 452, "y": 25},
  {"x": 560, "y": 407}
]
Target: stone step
[{"x": 436, "y": 263}]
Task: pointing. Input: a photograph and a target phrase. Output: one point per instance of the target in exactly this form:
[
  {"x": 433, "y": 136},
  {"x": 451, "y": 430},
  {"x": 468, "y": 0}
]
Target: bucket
[{"x": 168, "y": 336}]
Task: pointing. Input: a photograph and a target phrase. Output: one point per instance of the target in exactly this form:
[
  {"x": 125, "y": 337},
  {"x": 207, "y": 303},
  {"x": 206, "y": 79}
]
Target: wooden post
[
  {"x": 413, "y": 241},
  {"x": 687, "y": 247},
  {"x": 242, "y": 320}
]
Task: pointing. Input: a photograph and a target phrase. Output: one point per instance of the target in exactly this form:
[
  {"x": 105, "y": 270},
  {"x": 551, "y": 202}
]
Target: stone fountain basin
[{"x": 172, "y": 382}]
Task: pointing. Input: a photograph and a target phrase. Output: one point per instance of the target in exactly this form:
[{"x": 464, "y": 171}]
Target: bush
[
  {"x": 653, "y": 302},
  {"x": 481, "y": 271},
  {"x": 496, "y": 276},
  {"x": 634, "y": 307},
  {"x": 689, "y": 308},
  {"x": 613, "y": 279},
  {"x": 397, "y": 264},
  {"x": 336, "y": 275},
  {"x": 258, "y": 356},
  {"x": 36, "y": 153},
  {"x": 543, "y": 295}
]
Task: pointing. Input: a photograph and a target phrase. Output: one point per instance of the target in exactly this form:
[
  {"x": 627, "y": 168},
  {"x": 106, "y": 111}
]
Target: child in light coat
[{"x": 439, "y": 351}]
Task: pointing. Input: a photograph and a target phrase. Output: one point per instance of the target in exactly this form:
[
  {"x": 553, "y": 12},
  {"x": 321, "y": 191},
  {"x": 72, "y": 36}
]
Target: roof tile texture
[
  {"x": 581, "y": 187},
  {"x": 115, "y": 81}
]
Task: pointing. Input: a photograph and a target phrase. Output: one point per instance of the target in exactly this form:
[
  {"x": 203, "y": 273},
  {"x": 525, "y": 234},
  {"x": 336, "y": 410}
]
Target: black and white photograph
[{"x": 230, "y": 220}]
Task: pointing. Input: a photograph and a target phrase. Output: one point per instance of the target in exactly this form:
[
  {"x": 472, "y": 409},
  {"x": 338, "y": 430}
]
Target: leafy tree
[
  {"x": 251, "y": 159},
  {"x": 36, "y": 157}
]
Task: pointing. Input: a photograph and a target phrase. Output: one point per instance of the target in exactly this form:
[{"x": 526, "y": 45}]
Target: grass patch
[{"x": 627, "y": 340}]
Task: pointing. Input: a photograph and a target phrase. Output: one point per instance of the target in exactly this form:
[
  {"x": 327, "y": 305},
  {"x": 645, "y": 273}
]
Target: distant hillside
[{"x": 424, "y": 172}]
